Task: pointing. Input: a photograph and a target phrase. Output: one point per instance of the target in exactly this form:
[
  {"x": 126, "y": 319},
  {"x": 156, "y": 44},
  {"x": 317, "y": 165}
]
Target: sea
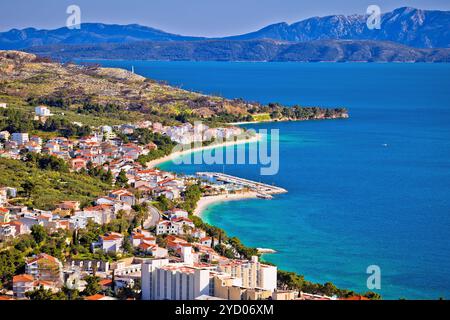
[{"x": 371, "y": 190}]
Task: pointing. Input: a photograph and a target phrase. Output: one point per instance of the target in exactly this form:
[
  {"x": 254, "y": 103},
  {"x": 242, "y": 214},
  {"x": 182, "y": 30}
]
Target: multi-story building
[
  {"x": 253, "y": 273},
  {"x": 22, "y": 284},
  {"x": 110, "y": 242},
  {"x": 230, "y": 288},
  {"x": 20, "y": 138},
  {"x": 176, "y": 226},
  {"x": 162, "y": 280},
  {"x": 44, "y": 267}
]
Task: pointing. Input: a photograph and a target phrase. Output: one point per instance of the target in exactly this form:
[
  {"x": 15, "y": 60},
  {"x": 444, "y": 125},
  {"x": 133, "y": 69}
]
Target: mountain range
[
  {"x": 406, "y": 34},
  {"x": 407, "y": 26},
  {"x": 249, "y": 50}
]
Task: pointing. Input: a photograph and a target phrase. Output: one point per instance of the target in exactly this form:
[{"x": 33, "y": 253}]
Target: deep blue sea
[{"x": 370, "y": 190}]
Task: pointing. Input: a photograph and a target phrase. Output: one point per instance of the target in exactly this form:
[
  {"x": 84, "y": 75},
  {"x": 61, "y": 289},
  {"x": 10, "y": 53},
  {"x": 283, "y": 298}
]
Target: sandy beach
[
  {"x": 174, "y": 155},
  {"x": 207, "y": 201}
]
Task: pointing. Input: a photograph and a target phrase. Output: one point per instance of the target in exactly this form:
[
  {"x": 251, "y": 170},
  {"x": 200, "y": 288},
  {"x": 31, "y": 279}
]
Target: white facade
[
  {"x": 164, "y": 281},
  {"x": 42, "y": 111},
  {"x": 178, "y": 213},
  {"x": 253, "y": 273},
  {"x": 20, "y": 138},
  {"x": 175, "y": 227},
  {"x": 268, "y": 277}
]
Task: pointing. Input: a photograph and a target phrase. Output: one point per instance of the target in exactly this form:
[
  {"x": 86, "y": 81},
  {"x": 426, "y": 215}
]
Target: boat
[{"x": 264, "y": 196}]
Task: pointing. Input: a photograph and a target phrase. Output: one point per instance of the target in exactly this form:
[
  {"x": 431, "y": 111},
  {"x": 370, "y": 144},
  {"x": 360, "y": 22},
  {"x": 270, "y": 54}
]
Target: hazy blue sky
[{"x": 190, "y": 17}]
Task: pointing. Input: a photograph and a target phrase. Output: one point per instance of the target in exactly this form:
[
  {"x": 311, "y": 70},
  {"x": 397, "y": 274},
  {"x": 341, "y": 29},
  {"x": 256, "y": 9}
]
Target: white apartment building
[
  {"x": 20, "y": 138},
  {"x": 162, "y": 280},
  {"x": 174, "y": 227},
  {"x": 253, "y": 273}
]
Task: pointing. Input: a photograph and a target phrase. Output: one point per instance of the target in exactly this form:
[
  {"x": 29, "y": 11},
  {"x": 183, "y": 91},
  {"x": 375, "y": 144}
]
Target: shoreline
[
  {"x": 205, "y": 202},
  {"x": 154, "y": 163},
  {"x": 345, "y": 116}
]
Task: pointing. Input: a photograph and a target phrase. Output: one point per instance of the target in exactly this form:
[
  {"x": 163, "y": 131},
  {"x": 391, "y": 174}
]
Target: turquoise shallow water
[{"x": 352, "y": 201}]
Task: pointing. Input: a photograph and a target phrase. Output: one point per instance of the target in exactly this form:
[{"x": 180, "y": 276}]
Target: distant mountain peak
[{"x": 405, "y": 25}]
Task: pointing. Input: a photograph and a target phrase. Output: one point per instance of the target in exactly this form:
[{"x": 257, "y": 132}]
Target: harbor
[{"x": 263, "y": 190}]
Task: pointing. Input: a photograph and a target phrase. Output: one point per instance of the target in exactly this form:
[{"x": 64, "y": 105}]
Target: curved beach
[{"x": 205, "y": 202}]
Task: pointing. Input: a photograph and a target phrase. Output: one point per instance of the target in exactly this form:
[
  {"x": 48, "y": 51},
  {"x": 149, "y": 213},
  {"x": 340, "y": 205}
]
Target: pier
[{"x": 261, "y": 188}]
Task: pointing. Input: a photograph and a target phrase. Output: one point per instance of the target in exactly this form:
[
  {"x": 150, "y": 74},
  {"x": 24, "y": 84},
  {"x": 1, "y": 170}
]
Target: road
[{"x": 153, "y": 217}]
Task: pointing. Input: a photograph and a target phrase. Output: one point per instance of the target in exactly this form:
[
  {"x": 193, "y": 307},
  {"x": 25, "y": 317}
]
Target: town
[{"x": 141, "y": 239}]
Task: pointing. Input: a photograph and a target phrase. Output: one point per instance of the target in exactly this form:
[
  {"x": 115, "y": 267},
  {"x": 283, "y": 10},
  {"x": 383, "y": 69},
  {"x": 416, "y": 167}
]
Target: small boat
[{"x": 264, "y": 196}]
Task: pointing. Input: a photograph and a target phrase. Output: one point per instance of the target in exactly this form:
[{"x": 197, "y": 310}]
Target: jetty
[{"x": 262, "y": 189}]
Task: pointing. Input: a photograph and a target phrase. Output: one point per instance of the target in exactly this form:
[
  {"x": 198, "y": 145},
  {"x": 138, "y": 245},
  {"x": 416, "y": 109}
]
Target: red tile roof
[
  {"x": 105, "y": 282},
  {"x": 23, "y": 278},
  {"x": 95, "y": 297}
]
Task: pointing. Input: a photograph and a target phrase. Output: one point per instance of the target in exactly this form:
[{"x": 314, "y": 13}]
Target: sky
[{"x": 211, "y": 18}]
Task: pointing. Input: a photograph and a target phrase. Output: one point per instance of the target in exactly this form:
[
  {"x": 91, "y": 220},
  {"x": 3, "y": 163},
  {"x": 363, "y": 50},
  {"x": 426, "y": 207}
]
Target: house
[
  {"x": 183, "y": 225},
  {"x": 5, "y": 216},
  {"x": 169, "y": 194},
  {"x": 106, "y": 284},
  {"x": 69, "y": 205},
  {"x": 19, "y": 227},
  {"x": 177, "y": 213},
  {"x": 165, "y": 227},
  {"x": 206, "y": 241},
  {"x": 44, "y": 267},
  {"x": 20, "y": 138},
  {"x": 42, "y": 111},
  {"x": 284, "y": 295},
  {"x": 123, "y": 195},
  {"x": 154, "y": 250},
  {"x": 99, "y": 297},
  {"x": 127, "y": 129},
  {"x": 11, "y": 192},
  {"x": 78, "y": 163},
  {"x": 52, "y": 147},
  {"x": 198, "y": 233},
  {"x": 139, "y": 237},
  {"x": 22, "y": 284},
  {"x": 32, "y": 146},
  {"x": 6, "y": 231},
  {"x": 29, "y": 221},
  {"x": 36, "y": 139},
  {"x": 3, "y": 196},
  {"x": 105, "y": 201},
  {"x": 110, "y": 242},
  {"x": 100, "y": 215}
]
